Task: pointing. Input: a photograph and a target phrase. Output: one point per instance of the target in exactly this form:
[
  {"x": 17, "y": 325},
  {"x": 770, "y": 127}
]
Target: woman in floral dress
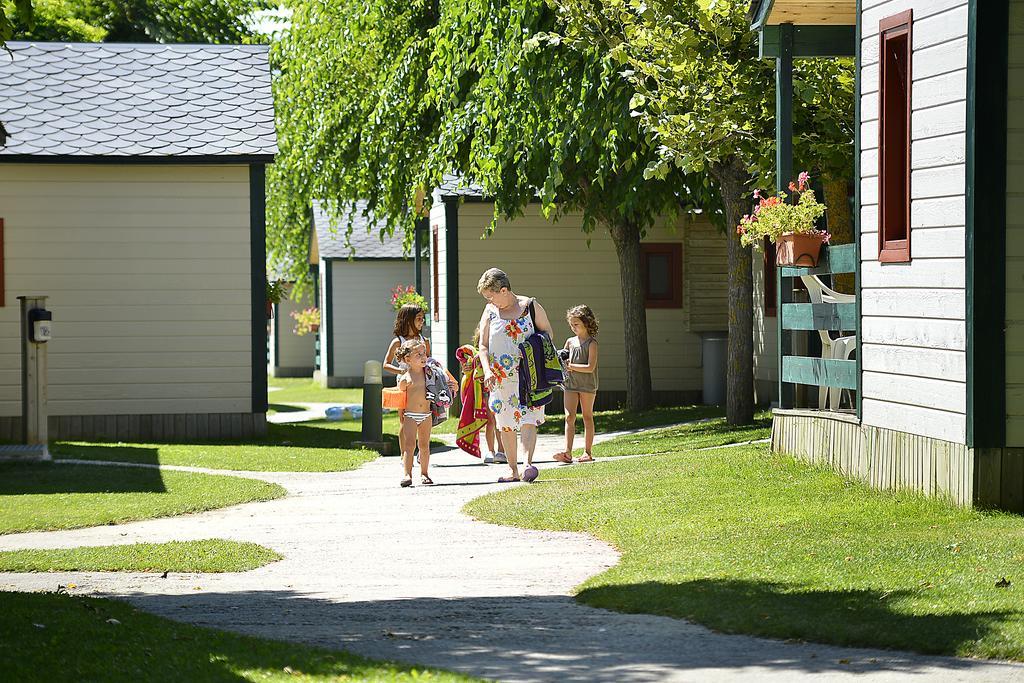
[{"x": 505, "y": 324}]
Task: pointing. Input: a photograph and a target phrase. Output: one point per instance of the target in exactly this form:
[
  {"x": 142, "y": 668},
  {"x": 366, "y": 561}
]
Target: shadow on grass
[
  {"x": 29, "y": 478},
  {"x": 840, "y": 617},
  {"x": 94, "y": 639},
  {"x": 622, "y": 420},
  {"x": 285, "y": 408},
  {"x": 459, "y": 633}
]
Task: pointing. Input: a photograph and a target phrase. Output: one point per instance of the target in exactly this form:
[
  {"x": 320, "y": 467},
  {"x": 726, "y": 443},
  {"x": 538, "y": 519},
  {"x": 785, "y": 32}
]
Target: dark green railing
[{"x": 810, "y": 317}]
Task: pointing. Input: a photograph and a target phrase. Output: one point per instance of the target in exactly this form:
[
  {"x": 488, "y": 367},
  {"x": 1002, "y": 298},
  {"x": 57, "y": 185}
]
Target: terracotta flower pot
[{"x": 797, "y": 249}]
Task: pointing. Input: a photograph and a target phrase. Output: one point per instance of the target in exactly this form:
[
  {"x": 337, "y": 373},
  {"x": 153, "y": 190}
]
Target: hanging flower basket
[
  {"x": 790, "y": 224},
  {"x": 798, "y": 249},
  {"x": 306, "y": 321}
]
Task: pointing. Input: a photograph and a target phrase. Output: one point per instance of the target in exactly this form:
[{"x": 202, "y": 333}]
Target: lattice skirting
[
  {"x": 883, "y": 458},
  {"x": 176, "y": 427}
]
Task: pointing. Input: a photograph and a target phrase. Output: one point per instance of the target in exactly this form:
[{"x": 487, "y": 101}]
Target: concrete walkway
[{"x": 402, "y": 574}]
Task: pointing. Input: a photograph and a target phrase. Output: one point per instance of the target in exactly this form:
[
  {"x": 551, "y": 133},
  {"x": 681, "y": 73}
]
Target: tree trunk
[
  {"x": 734, "y": 181},
  {"x": 626, "y": 236},
  {"x": 840, "y": 224}
]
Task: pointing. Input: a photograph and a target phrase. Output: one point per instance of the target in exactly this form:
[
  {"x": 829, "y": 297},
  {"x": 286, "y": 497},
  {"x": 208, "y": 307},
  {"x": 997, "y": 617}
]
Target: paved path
[{"x": 402, "y": 574}]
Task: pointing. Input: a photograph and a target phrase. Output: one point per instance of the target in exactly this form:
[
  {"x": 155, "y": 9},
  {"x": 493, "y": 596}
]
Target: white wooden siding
[
  {"x": 289, "y": 349},
  {"x": 913, "y": 330},
  {"x": 363, "y": 319},
  {"x": 1015, "y": 232},
  {"x": 148, "y": 272},
  {"x": 551, "y": 261}
]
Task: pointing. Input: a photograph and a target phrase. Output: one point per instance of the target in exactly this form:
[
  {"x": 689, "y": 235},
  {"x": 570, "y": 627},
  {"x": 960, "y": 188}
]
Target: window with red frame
[
  {"x": 433, "y": 266},
  {"x": 661, "y": 269},
  {"x": 895, "y": 79}
]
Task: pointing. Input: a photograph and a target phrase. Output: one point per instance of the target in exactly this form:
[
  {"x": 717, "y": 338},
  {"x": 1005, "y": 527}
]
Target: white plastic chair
[{"x": 835, "y": 349}]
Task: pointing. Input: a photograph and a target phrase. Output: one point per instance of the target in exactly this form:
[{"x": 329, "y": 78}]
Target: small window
[
  {"x": 894, "y": 166},
  {"x": 661, "y": 269},
  {"x": 433, "y": 265}
]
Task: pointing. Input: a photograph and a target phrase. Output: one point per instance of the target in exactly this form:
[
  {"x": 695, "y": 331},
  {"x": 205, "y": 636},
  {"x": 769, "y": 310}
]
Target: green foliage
[
  {"x": 143, "y": 21},
  {"x": 401, "y": 296},
  {"x": 774, "y": 216},
  {"x": 14, "y": 13},
  {"x": 275, "y": 291},
  {"x": 704, "y": 94},
  {"x": 377, "y": 99}
]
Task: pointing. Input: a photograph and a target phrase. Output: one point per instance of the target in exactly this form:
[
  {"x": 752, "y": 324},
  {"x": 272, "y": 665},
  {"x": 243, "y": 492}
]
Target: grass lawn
[
  {"x": 307, "y": 447},
  {"x": 304, "y": 390},
  {"x": 747, "y": 542},
  {"x": 46, "y": 636},
  {"x": 706, "y": 434},
  {"x": 206, "y": 556},
  {"x": 616, "y": 420},
  {"x": 40, "y": 496},
  {"x": 620, "y": 420}
]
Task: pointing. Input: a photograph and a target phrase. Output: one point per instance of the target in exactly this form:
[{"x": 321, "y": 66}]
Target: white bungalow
[
  {"x": 132, "y": 195},
  {"x": 291, "y": 355},
  {"x": 686, "y": 291},
  {"x": 939, "y": 309},
  {"x": 354, "y": 276}
]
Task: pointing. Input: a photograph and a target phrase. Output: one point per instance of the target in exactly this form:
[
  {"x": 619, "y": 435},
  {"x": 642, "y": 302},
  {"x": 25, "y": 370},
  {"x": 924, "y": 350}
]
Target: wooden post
[
  {"x": 34, "y": 412},
  {"x": 783, "y": 174}
]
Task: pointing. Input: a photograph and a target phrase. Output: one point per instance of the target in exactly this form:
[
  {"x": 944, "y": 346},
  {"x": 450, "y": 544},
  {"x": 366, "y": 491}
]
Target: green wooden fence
[{"x": 807, "y": 317}]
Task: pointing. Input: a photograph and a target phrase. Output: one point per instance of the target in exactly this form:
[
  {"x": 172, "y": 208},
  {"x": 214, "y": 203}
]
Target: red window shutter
[
  {"x": 894, "y": 137},
  {"x": 433, "y": 265}
]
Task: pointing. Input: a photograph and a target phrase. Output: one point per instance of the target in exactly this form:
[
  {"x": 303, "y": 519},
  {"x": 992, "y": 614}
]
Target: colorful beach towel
[{"x": 473, "y": 417}]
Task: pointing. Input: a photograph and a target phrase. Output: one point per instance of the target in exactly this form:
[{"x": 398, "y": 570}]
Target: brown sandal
[
  {"x": 586, "y": 457},
  {"x": 563, "y": 457}
]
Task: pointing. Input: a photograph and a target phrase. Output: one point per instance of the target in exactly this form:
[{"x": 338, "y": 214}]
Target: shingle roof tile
[
  {"x": 109, "y": 99},
  {"x": 364, "y": 242}
]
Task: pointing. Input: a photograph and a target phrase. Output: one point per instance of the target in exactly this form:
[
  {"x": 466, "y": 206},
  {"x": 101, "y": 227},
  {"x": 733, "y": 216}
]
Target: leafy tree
[
  {"x": 144, "y": 21},
  {"x": 14, "y": 13},
  {"x": 480, "y": 88},
  {"x": 709, "y": 103},
  {"x": 55, "y": 20}
]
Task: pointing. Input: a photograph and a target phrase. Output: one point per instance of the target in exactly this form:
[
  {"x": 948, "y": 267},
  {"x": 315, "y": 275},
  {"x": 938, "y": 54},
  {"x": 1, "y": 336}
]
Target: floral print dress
[{"x": 510, "y": 414}]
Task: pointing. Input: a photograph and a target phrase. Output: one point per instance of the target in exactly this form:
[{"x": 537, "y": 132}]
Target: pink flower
[
  {"x": 792, "y": 186},
  {"x": 757, "y": 194},
  {"x": 804, "y": 178}
]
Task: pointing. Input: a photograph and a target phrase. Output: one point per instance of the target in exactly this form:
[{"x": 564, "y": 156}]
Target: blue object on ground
[{"x": 334, "y": 413}]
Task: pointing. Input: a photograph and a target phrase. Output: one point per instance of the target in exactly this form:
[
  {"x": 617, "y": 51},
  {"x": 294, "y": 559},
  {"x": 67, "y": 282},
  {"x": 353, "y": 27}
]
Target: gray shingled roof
[
  {"x": 365, "y": 239},
  {"x": 135, "y": 100},
  {"x": 454, "y": 186}
]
